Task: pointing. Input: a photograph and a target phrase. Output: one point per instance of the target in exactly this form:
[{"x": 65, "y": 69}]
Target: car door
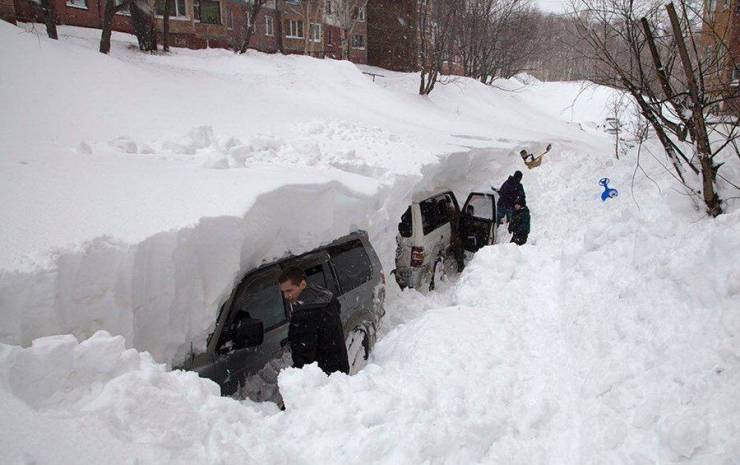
[
  {"x": 436, "y": 228},
  {"x": 352, "y": 267},
  {"x": 478, "y": 221},
  {"x": 258, "y": 298}
]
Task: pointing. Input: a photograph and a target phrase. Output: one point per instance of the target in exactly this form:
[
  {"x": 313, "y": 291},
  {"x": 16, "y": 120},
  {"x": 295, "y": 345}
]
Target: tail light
[{"x": 417, "y": 256}]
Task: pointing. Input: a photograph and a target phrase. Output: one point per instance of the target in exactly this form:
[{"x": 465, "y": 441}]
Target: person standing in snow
[
  {"x": 510, "y": 190},
  {"x": 519, "y": 225},
  {"x": 455, "y": 239},
  {"x": 315, "y": 331}
]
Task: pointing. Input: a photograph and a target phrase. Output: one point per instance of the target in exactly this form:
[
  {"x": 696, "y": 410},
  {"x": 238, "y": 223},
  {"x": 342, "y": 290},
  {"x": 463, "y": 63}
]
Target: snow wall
[{"x": 163, "y": 294}]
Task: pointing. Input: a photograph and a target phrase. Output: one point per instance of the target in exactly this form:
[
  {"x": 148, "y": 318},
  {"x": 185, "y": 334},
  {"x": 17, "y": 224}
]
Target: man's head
[
  {"x": 518, "y": 175},
  {"x": 523, "y": 154},
  {"x": 519, "y": 203},
  {"x": 292, "y": 283}
]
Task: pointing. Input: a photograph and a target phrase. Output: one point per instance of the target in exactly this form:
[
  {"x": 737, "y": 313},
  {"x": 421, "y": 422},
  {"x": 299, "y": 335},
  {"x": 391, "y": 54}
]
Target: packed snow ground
[{"x": 613, "y": 337}]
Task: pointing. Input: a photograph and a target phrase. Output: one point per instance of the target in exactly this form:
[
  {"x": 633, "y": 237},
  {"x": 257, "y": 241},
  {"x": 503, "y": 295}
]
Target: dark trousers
[
  {"x": 519, "y": 240},
  {"x": 502, "y": 212}
]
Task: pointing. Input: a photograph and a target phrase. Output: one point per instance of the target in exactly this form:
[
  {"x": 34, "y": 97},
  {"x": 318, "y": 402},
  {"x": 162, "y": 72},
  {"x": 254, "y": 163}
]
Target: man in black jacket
[
  {"x": 315, "y": 331},
  {"x": 519, "y": 225},
  {"x": 510, "y": 190}
]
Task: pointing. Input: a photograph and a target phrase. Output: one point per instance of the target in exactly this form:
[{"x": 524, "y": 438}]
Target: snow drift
[{"x": 613, "y": 337}]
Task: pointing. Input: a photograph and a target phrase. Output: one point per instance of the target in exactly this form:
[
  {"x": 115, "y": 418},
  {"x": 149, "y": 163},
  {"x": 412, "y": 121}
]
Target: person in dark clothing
[
  {"x": 519, "y": 225},
  {"x": 510, "y": 190},
  {"x": 315, "y": 331},
  {"x": 455, "y": 240}
]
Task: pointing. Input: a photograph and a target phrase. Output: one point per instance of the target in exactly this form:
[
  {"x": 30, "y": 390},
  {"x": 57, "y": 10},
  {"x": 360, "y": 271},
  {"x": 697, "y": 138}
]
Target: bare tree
[
  {"x": 279, "y": 25},
  {"x": 349, "y": 14},
  {"x": 653, "y": 54},
  {"x": 50, "y": 18},
  {"x": 252, "y": 11},
  {"x": 498, "y": 38},
  {"x": 168, "y": 4},
  {"x": 111, "y": 8},
  {"x": 142, "y": 18},
  {"x": 436, "y": 20}
]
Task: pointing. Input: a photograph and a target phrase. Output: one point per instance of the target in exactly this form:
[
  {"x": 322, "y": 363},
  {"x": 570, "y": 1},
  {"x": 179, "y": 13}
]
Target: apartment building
[
  {"x": 394, "y": 34},
  {"x": 720, "y": 42},
  {"x": 7, "y": 10},
  {"x": 320, "y": 28}
]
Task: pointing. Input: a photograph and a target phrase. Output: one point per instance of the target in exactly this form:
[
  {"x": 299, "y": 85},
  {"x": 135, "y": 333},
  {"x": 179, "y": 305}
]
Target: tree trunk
[
  {"x": 166, "y": 25},
  {"x": 50, "y": 18},
  {"x": 144, "y": 27},
  {"x": 110, "y": 11},
  {"x": 279, "y": 26},
  {"x": 703, "y": 148}
]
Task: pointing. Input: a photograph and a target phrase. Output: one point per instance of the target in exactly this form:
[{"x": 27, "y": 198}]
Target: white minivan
[{"x": 424, "y": 241}]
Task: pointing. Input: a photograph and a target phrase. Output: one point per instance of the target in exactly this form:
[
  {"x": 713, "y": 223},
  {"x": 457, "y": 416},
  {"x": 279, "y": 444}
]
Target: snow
[{"x": 137, "y": 191}]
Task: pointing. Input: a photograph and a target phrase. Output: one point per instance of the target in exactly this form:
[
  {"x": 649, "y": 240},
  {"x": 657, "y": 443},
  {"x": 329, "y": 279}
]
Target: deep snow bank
[{"x": 137, "y": 208}]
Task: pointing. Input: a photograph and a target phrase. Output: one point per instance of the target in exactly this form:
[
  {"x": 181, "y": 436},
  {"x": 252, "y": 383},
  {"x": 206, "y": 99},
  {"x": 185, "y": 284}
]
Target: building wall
[
  {"x": 7, "y": 10},
  {"x": 391, "y": 34},
  {"x": 188, "y": 32},
  {"x": 722, "y": 28}
]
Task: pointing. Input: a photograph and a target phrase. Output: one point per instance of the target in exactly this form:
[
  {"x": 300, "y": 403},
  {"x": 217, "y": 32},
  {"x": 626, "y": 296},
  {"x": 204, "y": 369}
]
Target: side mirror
[{"x": 249, "y": 333}]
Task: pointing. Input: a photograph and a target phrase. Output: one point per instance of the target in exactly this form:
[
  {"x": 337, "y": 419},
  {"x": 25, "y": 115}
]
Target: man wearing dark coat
[
  {"x": 519, "y": 225},
  {"x": 510, "y": 190},
  {"x": 315, "y": 331}
]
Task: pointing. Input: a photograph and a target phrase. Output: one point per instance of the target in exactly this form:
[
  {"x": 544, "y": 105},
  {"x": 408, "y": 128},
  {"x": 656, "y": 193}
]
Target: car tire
[{"x": 358, "y": 349}]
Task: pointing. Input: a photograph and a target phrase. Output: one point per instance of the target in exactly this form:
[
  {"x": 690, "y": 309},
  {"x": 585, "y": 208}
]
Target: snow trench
[{"x": 163, "y": 293}]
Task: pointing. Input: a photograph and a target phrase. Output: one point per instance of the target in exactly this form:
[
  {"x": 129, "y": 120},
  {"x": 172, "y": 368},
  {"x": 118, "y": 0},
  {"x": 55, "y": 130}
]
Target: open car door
[{"x": 478, "y": 221}]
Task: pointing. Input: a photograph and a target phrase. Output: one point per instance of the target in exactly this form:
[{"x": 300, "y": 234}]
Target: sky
[{"x": 552, "y": 6}]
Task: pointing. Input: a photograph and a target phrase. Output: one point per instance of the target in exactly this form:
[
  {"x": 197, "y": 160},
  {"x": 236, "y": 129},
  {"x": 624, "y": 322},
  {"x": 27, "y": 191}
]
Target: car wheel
[{"x": 357, "y": 350}]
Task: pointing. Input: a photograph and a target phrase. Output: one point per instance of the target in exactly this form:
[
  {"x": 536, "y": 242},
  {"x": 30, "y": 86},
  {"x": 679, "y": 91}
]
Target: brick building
[
  {"x": 394, "y": 36},
  {"x": 720, "y": 42},
  {"x": 313, "y": 27},
  {"x": 7, "y": 10}
]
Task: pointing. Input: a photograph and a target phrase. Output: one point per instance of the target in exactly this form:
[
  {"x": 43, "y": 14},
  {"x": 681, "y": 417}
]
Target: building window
[
  {"x": 230, "y": 18},
  {"x": 328, "y": 7},
  {"x": 358, "y": 13},
  {"x": 293, "y": 29},
  {"x": 207, "y": 11},
  {"x": 77, "y": 4},
  {"x": 177, "y": 8},
  {"x": 358, "y": 41},
  {"x": 268, "y": 26},
  {"x": 314, "y": 32},
  {"x": 124, "y": 10}
]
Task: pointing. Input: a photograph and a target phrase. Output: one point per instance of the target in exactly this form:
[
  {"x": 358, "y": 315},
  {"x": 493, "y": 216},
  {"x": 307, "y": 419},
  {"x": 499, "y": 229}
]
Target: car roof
[{"x": 424, "y": 195}]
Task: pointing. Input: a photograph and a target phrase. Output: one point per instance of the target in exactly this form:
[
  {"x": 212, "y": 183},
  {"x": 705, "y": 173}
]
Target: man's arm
[
  {"x": 303, "y": 336},
  {"x": 332, "y": 337}
]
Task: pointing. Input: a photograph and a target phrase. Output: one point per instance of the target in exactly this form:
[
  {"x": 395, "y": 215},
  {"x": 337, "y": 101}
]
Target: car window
[
  {"x": 261, "y": 300},
  {"x": 404, "y": 227},
  {"x": 482, "y": 207},
  {"x": 315, "y": 275},
  {"x": 352, "y": 265},
  {"x": 429, "y": 215},
  {"x": 435, "y": 212}
]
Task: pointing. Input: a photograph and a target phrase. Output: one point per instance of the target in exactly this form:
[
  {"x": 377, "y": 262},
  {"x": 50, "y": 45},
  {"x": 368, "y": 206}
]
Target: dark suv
[{"x": 349, "y": 267}]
